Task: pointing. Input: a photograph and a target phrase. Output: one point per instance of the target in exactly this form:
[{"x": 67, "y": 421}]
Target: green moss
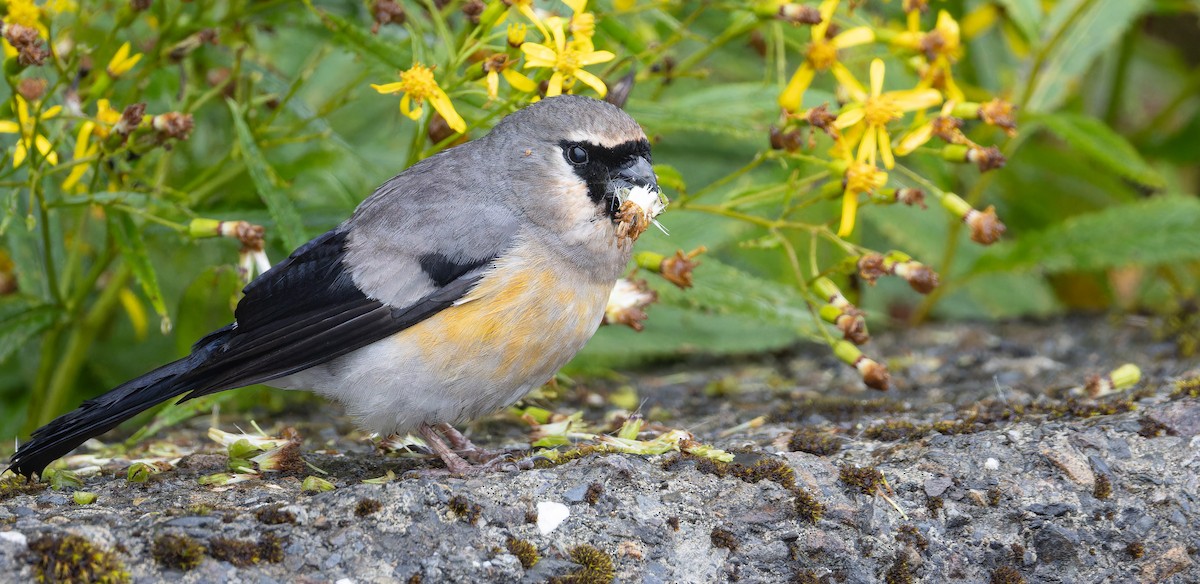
[
  {"x": 199, "y": 509},
  {"x": 900, "y": 572},
  {"x": 994, "y": 494},
  {"x": 593, "y": 494},
  {"x": 595, "y": 567},
  {"x": 767, "y": 468},
  {"x": 866, "y": 480},
  {"x": 908, "y": 533},
  {"x": 1006, "y": 575},
  {"x": 724, "y": 538},
  {"x": 242, "y": 553},
  {"x": 805, "y": 576},
  {"x": 275, "y": 515},
  {"x": 1151, "y": 428},
  {"x": 808, "y": 507},
  {"x": 1189, "y": 387},
  {"x": 813, "y": 442},
  {"x": 1103, "y": 488},
  {"x": 673, "y": 522},
  {"x": 18, "y": 485},
  {"x": 367, "y": 507},
  {"x": 415, "y": 578},
  {"x": 178, "y": 552},
  {"x": 569, "y": 455},
  {"x": 526, "y": 552},
  {"x": 893, "y": 431},
  {"x": 1136, "y": 549},
  {"x": 934, "y": 504},
  {"x": 71, "y": 558},
  {"x": 464, "y": 508}
]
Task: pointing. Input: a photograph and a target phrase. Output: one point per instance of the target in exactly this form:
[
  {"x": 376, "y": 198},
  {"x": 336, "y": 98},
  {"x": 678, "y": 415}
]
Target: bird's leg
[
  {"x": 454, "y": 463},
  {"x": 456, "y": 438},
  {"x": 464, "y": 448}
]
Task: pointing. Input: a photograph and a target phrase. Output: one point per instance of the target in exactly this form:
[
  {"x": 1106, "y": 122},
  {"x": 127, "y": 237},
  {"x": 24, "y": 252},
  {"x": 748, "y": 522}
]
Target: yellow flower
[
  {"x": 27, "y": 127},
  {"x": 583, "y": 23},
  {"x": 82, "y": 150},
  {"x": 106, "y": 117},
  {"x": 567, "y": 60},
  {"x": 822, "y": 55},
  {"x": 875, "y": 110},
  {"x": 525, "y": 7},
  {"x": 417, "y": 84},
  {"x": 500, "y": 64},
  {"x": 860, "y": 178},
  {"x": 122, "y": 61},
  {"x": 924, "y": 132},
  {"x": 25, "y": 13},
  {"x": 941, "y": 47}
]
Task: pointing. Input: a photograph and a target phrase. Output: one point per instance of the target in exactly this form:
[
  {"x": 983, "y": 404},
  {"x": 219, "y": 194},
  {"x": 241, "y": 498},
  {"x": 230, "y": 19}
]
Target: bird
[{"x": 451, "y": 292}]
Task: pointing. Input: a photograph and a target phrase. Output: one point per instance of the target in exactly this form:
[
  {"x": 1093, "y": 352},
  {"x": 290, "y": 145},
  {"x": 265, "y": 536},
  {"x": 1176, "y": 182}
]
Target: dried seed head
[
  {"x": 911, "y": 5},
  {"x": 28, "y": 44},
  {"x": 789, "y": 141},
  {"x": 473, "y": 9},
  {"x": 986, "y": 227},
  {"x": 875, "y": 375},
  {"x": 386, "y": 12},
  {"x": 949, "y": 128},
  {"x": 32, "y": 89},
  {"x": 173, "y": 125},
  {"x": 911, "y": 196},
  {"x": 1001, "y": 114},
  {"x": 871, "y": 267},
  {"x": 627, "y": 301},
  {"x": 678, "y": 268},
  {"x": 131, "y": 118},
  {"x": 821, "y": 118},
  {"x": 139, "y": 5},
  {"x": 919, "y": 276},
  {"x": 987, "y": 159},
  {"x": 799, "y": 14}
]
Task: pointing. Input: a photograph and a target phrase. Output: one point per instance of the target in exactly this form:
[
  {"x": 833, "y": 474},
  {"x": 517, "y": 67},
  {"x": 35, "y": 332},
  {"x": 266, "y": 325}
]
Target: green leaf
[
  {"x": 206, "y": 304},
  {"x": 129, "y": 240},
  {"x": 743, "y": 110},
  {"x": 287, "y": 218},
  {"x": 360, "y": 41},
  {"x": 1092, "y": 138},
  {"x": 670, "y": 177},
  {"x": 723, "y": 289},
  {"x": 1076, "y": 32},
  {"x": 1149, "y": 232},
  {"x": 1026, "y": 14},
  {"x": 22, "y": 319}
]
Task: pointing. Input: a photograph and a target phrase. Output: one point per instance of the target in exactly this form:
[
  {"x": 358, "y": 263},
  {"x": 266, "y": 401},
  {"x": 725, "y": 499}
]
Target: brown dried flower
[
  {"x": 988, "y": 158},
  {"x": 986, "y": 227},
  {"x": 1001, "y": 114},
  {"x": 386, "y": 12}
]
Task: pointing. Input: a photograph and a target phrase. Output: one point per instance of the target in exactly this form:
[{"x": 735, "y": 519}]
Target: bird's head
[{"x": 579, "y": 161}]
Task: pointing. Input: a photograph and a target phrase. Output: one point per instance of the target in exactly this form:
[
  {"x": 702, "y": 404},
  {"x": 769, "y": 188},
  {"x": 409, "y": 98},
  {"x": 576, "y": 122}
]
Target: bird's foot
[{"x": 461, "y": 453}]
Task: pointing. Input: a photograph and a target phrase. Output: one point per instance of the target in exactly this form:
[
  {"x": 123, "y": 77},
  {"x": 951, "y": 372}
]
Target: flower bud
[{"x": 1121, "y": 378}]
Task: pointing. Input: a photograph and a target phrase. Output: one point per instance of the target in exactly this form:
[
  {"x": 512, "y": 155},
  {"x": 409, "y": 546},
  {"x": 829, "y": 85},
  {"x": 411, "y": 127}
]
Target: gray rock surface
[{"x": 1021, "y": 480}]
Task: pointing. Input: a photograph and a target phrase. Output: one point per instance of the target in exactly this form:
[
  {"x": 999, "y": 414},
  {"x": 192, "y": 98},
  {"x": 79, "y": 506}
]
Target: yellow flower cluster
[
  {"x": 861, "y": 130},
  {"x": 566, "y": 49}
]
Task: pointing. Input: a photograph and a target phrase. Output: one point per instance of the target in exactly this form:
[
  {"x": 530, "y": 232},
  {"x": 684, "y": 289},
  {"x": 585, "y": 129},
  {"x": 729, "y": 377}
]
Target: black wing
[{"x": 304, "y": 311}]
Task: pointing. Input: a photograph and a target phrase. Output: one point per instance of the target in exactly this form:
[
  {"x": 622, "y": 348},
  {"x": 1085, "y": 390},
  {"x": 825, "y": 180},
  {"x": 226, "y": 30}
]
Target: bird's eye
[{"x": 577, "y": 154}]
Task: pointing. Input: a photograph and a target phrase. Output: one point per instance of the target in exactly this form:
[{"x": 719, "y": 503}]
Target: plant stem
[{"x": 83, "y": 336}]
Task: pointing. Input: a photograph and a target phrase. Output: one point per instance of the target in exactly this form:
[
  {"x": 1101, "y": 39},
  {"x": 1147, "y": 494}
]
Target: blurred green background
[{"x": 1099, "y": 191}]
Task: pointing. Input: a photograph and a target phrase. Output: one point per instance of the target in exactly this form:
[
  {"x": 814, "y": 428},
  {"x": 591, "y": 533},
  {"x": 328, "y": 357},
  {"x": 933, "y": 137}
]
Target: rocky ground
[{"x": 984, "y": 464}]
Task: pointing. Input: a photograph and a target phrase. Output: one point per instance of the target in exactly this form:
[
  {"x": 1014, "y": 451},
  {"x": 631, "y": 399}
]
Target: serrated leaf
[
  {"x": 133, "y": 248},
  {"x": 361, "y": 42},
  {"x": 1100, "y": 143},
  {"x": 287, "y": 218},
  {"x": 743, "y": 110},
  {"x": 1149, "y": 232},
  {"x": 1025, "y": 14},
  {"x": 724, "y": 289},
  {"x": 1076, "y": 32},
  {"x": 22, "y": 319}
]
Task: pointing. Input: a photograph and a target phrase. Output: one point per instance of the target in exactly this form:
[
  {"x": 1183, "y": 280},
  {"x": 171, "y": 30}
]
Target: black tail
[{"x": 99, "y": 415}]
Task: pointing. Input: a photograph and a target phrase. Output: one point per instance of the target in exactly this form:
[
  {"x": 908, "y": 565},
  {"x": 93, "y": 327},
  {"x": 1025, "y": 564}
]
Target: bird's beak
[{"x": 637, "y": 173}]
